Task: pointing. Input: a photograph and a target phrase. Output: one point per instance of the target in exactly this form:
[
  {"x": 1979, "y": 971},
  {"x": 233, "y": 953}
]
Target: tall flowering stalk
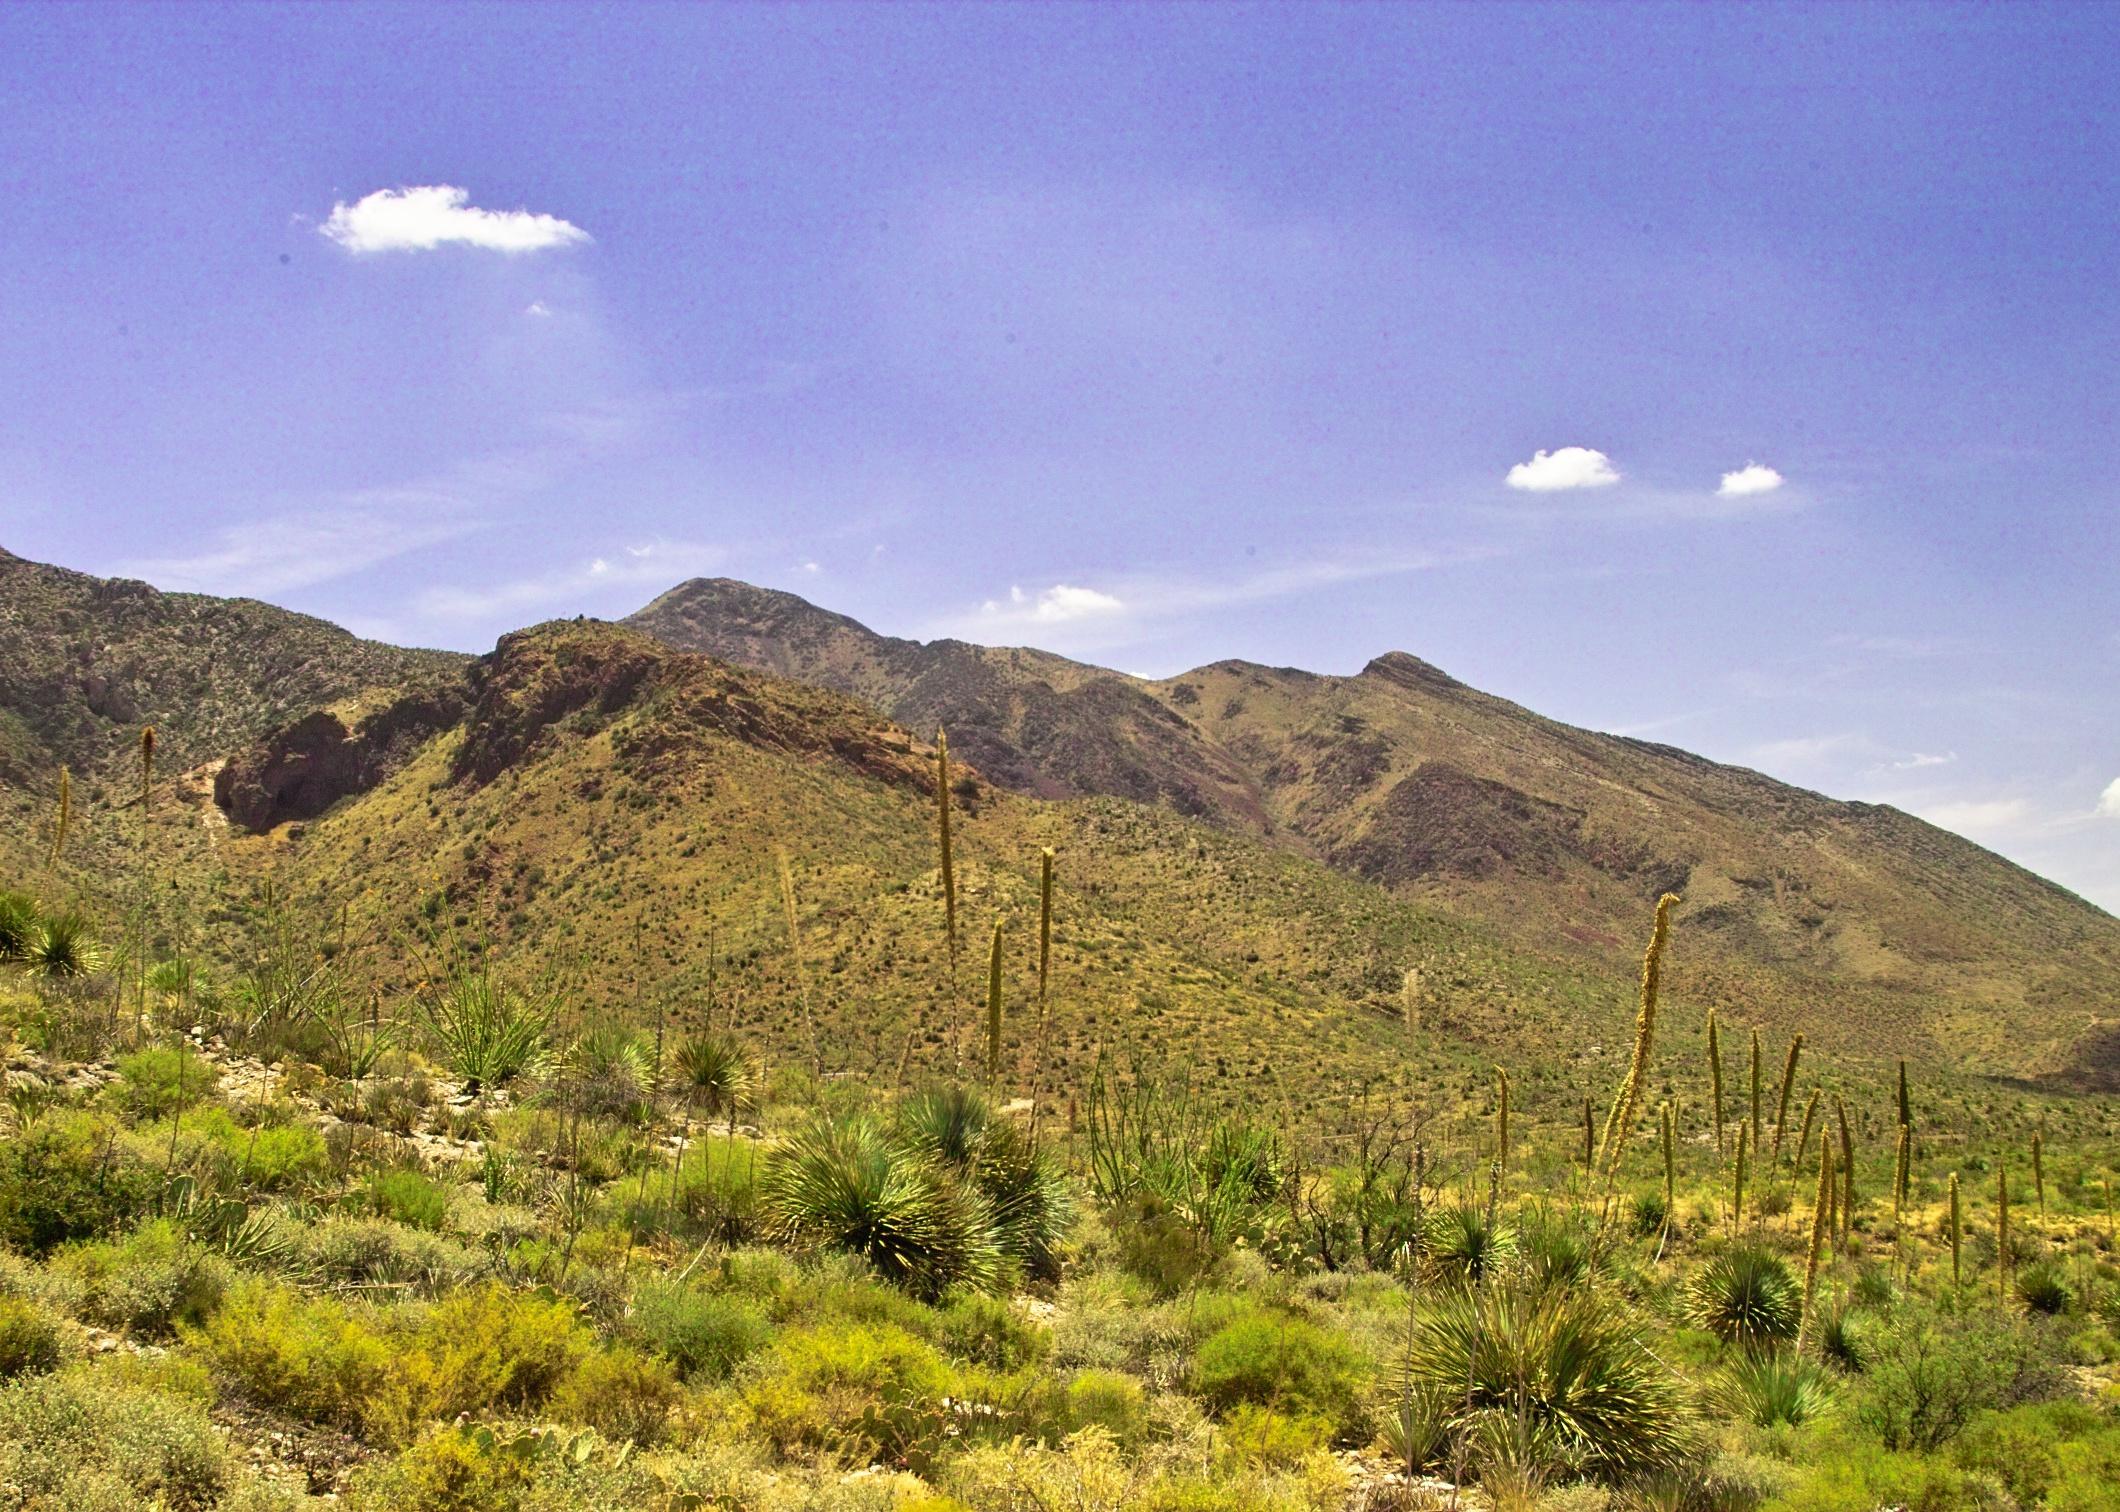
[
  {"x": 1781, "y": 1110},
  {"x": 1628, "y": 1103},
  {"x": 1715, "y": 1085},
  {"x": 1821, "y": 1206}
]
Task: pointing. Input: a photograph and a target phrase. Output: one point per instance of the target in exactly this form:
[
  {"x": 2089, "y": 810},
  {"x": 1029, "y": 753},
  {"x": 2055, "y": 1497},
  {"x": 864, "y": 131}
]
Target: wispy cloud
[
  {"x": 1753, "y": 478},
  {"x": 294, "y": 551},
  {"x": 2109, "y": 800},
  {"x": 428, "y": 216},
  {"x": 657, "y": 563},
  {"x": 1566, "y": 468},
  {"x": 1058, "y": 605},
  {"x": 1980, "y": 818},
  {"x": 1921, "y": 759}
]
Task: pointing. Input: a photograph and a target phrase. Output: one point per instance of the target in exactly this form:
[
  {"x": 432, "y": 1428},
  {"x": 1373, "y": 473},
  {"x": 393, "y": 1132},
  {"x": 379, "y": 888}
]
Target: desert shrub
[
  {"x": 76, "y": 1439},
  {"x": 1767, "y": 1389},
  {"x": 1928, "y": 1376},
  {"x": 988, "y": 1331},
  {"x": 1646, "y": 1213},
  {"x": 716, "y": 1194},
  {"x": 408, "y": 1197},
  {"x": 163, "y": 1079},
  {"x": 1847, "y": 1472},
  {"x": 843, "y": 1184},
  {"x": 860, "y": 1390},
  {"x": 1748, "y": 1297},
  {"x": 369, "y": 1251},
  {"x": 32, "y": 1341},
  {"x": 385, "y": 1371},
  {"x": 1106, "y": 1399},
  {"x": 1159, "y": 1244},
  {"x": 18, "y": 925},
  {"x": 66, "y": 1177},
  {"x": 147, "y": 1282},
  {"x": 1843, "y": 1338},
  {"x": 1568, "y": 1365},
  {"x": 706, "y": 1335},
  {"x": 1273, "y": 1360},
  {"x": 1261, "y": 1436},
  {"x": 271, "y": 1154},
  {"x": 2031, "y": 1449},
  {"x": 621, "y": 1393}
]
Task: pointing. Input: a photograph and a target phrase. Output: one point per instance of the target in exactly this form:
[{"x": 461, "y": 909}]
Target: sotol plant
[
  {"x": 1781, "y": 1109},
  {"x": 1628, "y": 1101}
]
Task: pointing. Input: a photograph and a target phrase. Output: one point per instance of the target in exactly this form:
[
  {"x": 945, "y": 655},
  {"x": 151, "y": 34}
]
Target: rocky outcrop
[{"x": 303, "y": 768}]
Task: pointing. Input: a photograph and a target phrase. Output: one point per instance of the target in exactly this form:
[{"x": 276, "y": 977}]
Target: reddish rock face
[{"x": 302, "y": 769}]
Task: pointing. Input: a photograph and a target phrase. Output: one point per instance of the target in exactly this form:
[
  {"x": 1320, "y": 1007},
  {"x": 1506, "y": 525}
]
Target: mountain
[
  {"x": 1556, "y": 837},
  {"x": 90, "y": 660},
  {"x": 1281, "y": 875}
]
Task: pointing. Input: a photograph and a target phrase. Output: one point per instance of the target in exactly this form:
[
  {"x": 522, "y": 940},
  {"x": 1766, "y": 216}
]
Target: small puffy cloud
[
  {"x": 1568, "y": 467},
  {"x": 422, "y": 218},
  {"x": 2109, "y": 800},
  {"x": 538, "y": 308},
  {"x": 1920, "y": 759},
  {"x": 1752, "y": 478},
  {"x": 1061, "y": 604}
]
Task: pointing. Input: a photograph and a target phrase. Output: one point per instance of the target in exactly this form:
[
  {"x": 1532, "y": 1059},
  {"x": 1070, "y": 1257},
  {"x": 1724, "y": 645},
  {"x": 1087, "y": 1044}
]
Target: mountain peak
[{"x": 1411, "y": 672}]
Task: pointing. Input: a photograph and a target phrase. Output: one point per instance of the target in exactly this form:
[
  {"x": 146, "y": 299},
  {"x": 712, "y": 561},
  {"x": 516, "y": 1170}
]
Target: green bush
[
  {"x": 369, "y": 1251},
  {"x": 1929, "y": 1375},
  {"x": 621, "y": 1393},
  {"x": 863, "y": 1391},
  {"x": 163, "y": 1079},
  {"x": 2025, "y": 1447},
  {"x": 147, "y": 1282},
  {"x": 32, "y": 1341},
  {"x": 408, "y": 1197},
  {"x": 271, "y": 1155},
  {"x": 1270, "y": 1359},
  {"x": 1846, "y": 1472},
  {"x": 1106, "y": 1399},
  {"x": 385, "y": 1371},
  {"x": 988, "y": 1331},
  {"x": 1261, "y": 1436},
  {"x": 68, "y": 1176},
  {"x": 706, "y": 1335},
  {"x": 77, "y": 1439}
]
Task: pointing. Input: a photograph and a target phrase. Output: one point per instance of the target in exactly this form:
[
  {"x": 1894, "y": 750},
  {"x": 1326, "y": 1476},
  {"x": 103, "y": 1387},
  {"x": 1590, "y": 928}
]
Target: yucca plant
[
  {"x": 1565, "y": 1365},
  {"x": 1847, "y": 1169},
  {"x": 1768, "y": 1390},
  {"x": 1463, "y": 1243},
  {"x": 63, "y": 948},
  {"x": 1747, "y": 1297},
  {"x": 18, "y": 925},
  {"x": 606, "y": 1071},
  {"x": 483, "y": 1028},
  {"x": 845, "y": 1184},
  {"x": 1841, "y": 1341},
  {"x": 1025, "y": 1194},
  {"x": 714, "y": 1077},
  {"x": 2043, "y": 1289}
]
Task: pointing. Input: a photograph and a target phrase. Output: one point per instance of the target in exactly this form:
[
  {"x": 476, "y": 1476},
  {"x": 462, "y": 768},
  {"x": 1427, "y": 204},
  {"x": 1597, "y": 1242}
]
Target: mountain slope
[
  {"x": 90, "y": 660},
  {"x": 1555, "y": 836}
]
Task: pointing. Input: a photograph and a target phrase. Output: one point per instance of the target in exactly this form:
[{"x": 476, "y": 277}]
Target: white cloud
[
  {"x": 427, "y": 216},
  {"x": 1922, "y": 759},
  {"x": 1752, "y": 478},
  {"x": 538, "y": 308},
  {"x": 1061, "y": 604},
  {"x": 2109, "y": 800},
  {"x": 1568, "y": 467},
  {"x": 659, "y": 564}
]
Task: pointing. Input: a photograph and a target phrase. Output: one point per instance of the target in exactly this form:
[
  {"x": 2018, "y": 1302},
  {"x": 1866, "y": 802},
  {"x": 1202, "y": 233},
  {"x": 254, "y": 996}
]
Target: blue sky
[{"x": 1151, "y": 335}]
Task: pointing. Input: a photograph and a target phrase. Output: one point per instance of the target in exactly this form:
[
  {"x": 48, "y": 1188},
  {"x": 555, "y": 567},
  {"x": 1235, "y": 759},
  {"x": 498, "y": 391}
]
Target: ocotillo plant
[
  {"x": 1819, "y": 1209},
  {"x": 1899, "y": 1172},
  {"x": 1045, "y": 961},
  {"x": 1501, "y": 1112},
  {"x": 1781, "y": 1109},
  {"x": 1715, "y": 1086},
  {"x": 1957, "y": 1233},
  {"x": 949, "y": 861},
  {"x": 1847, "y": 1168},
  {"x": 62, "y": 815},
  {"x": 2002, "y": 1232},
  {"x": 1758, "y": 1125},
  {"x": 2039, "y": 1173},
  {"x": 993, "y": 1010},
  {"x": 1628, "y": 1102}
]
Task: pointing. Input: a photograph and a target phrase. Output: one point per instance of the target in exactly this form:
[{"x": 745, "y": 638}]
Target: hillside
[{"x": 1803, "y": 907}]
